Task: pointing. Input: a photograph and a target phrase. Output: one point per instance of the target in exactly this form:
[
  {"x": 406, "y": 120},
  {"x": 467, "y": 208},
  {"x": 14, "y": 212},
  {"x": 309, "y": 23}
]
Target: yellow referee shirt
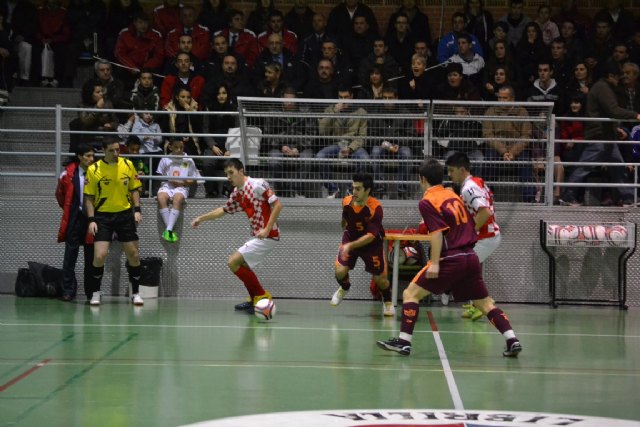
[{"x": 110, "y": 184}]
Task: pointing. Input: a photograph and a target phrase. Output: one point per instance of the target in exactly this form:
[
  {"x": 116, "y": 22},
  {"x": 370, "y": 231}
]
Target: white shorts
[
  {"x": 256, "y": 250},
  {"x": 485, "y": 247},
  {"x": 171, "y": 191}
]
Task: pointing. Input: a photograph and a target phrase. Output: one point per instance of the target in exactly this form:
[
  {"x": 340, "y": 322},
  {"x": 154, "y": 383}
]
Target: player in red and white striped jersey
[
  {"x": 259, "y": 202},
  {"x": 478, "y": 199}
]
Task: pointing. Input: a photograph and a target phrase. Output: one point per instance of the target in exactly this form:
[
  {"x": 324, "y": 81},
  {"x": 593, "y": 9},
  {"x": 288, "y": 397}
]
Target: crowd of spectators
[{"x": 179, "y": 58}]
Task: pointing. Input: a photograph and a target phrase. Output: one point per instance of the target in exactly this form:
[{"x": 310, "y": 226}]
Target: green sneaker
[
  {"x": 166, "y": 235},
  {"x": 173, "y": 236}
]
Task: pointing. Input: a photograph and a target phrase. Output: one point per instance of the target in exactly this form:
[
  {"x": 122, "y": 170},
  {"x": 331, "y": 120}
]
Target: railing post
[
  {"x": 550, "y": 168},
  {"x": 243, "y": 134},
  {"x": 428, "y": 130},
  {"x": 58, "y": 156}
]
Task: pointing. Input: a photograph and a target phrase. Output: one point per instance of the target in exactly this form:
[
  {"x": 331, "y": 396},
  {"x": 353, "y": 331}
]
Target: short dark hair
[
  {"x": 432, "y": 171},
  {"x": 233, "y": 162},
  {"x": 458, "y": 160},
  {"x": 365, "y": 179},
  {"x": 83, "y": 149},
  {"x": 133, "y": 140}
]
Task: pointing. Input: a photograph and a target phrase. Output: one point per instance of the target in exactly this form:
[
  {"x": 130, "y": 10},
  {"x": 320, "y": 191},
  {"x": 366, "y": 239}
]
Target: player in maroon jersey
[
  {"x": 453, "y": 266},
  {"x": 362, "y": 238},
  {"x": 259, "y": 202}
]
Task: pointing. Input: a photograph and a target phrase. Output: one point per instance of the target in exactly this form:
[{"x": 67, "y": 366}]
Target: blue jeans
[
  {"x": 404, "y": 153},
  {"x": 332, "y": 152}
]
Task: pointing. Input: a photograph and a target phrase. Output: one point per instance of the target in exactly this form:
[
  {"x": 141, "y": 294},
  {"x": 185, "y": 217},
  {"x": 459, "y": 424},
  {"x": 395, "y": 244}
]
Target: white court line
[
  {"x": 448, "y": 373},
  {"x": 299, "y": 328}
]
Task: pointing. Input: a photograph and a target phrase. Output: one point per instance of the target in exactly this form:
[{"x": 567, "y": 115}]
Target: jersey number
[
  {"x": 458, "y": 211},
  {"x": 359, "y": 226}
]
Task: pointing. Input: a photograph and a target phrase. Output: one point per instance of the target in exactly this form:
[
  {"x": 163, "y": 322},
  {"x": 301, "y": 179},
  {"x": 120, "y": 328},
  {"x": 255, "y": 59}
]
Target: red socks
[{"x": 250, "y": 281}]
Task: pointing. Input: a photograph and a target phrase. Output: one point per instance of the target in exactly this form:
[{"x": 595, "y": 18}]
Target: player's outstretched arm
[
  {"x": 214, "y": 214},
  {"x": 276, "y": 208}
]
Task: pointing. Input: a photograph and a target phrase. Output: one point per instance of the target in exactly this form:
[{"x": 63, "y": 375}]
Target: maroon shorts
[
  {"x": 372, "y": 255},
  {"x": 460, "y": 274}
]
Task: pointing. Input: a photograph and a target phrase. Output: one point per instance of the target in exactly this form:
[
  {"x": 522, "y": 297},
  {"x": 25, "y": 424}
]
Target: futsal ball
[
  {"x": 265, "y": 309},
  {"x": 553, "y": 234},
  {"x": 617, "y": 235},
  {"x": 411, "y": 255},
  {"x": 567, "y": 234},
  {"x": 600, "y": 233},
  {"x": 402, "y": 257}
]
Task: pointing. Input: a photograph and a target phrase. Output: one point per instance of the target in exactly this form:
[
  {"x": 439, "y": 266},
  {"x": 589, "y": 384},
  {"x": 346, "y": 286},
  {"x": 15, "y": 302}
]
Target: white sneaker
[
  {"x": 445, "y": 299},
  {"x": 337, "y": 297},
  {"x": 136, "y": 299},
  {"x": 96, "y": 298},
  {"x": 388, "y": 310}
]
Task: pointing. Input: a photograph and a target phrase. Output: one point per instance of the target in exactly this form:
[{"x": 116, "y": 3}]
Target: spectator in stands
[
  {"x": 569, "y": 151},
  {"x": 221, "y": 48},
  {"x": 580, "y": 83},
  {"x": 323, "y": 84},
  {"x": 213, "y": 15},
  {"x": 416, "y": 84},
  {"x": 602, "y": 102},
  {"x": 24, "y": 29},
  {"x": 418, "y": 22},
  {"x": 236, "y": 79},
  {"x": 299, "y": 19},
  {"x": 258, "y": 20},
  {"x": 218, "y": 123},
  {"x": 341, "y": 17},
  {"x": 569, "y": 12},
  {"x": 448, "y": 44},
  {"x": 500, "y": 31},
  {"x": 562, "y": 67},
  {"x": 401, "y": 43},
  {"x": 530, "y": 51},
  {"x": 7, "y": 60},
  {"x": 421, "y": 48},
  {"x": 509, "y": 140},
  {"x": 545, "y": 88},
  {"x": 139, "y": 47},
  {"x": 119, "y": 17},
  {"x": 343, "y": 70},
  {"x": 345, "y": 135},
  {"x": 185, "y": 45},
  {"x": 573, "y": 44},
  {"x": 241, "y": 40},
  {"x": 634, "y": 46},
  {"x": 114, "y": 90},
  {"x": 357, "y": 44},
  {"x": 629, "y": 98},
  {"x": 479, "y": 22},
  {"x": 74, "y": 223},
  {"x": 599, "y": 46},
  {"x": 271, "y": 85},
  {"x": 86, "y": 20},
  {"x": 184, "y": 78},
  {"x": 472, "y": 63},
  {"x": 292, "y": 72},
  {"x": 148, "y": 132},
  {"x": 145, "y": 94},
  {"x": 276, "y": 26},
  {"x": 516, "y": 22},
  {"x": 167, "y": 16},
  {"x": 622, "y": 22},
  {"x": 53, "y": 35},
  {"x": 378, "y": 58},
  {"x": 494, "y": 83},
  {"x": 93, "y": 121},
  {"x": 620, "y": 55},
  {"x": 390, "y": 140},
  {"x": 458, "y": 86},
  {"x": 311, "y": 49},
  {"x": 549, "y": 29},
  {"x": 290, "y": 136},
  {"x": 184, "y": 123},
  {"x": 188, "y": 25},
  {"x": 501, "y": 58},
  {"x": 373, "y": 88},
  {"x": 460, "y": 136}
]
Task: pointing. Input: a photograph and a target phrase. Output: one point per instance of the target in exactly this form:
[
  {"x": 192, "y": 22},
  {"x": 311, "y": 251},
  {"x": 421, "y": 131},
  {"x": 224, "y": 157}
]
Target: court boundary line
[
  {"x": 299, "y": 328},
  {"x": 446, "y": 367}
]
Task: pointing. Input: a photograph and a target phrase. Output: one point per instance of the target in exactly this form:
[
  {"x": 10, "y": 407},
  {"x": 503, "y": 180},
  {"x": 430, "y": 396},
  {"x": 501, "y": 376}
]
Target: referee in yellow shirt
[{"x": 110, "y": 187}]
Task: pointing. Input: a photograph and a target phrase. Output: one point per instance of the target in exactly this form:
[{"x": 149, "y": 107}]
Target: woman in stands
[
  {"x": 184, "y": 123},
  {"x": 499, "y": 79},
  {"x": 530, "y": 51},
  {"x": 579, "y": 84},
  {"x": 502, "y": 57},
  {"x": 373, "y": 90},
  {"x": 94, "y": 121}
]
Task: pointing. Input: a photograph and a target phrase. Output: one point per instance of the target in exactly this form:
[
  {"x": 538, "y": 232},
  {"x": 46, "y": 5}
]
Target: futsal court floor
[{"x": 179, "y": 361}]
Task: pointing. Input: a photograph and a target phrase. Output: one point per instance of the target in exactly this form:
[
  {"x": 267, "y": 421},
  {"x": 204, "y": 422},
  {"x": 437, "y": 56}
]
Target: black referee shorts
[{"x": 123, "y": 224}]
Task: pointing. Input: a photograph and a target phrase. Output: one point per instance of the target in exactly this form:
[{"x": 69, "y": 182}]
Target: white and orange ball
[
  {"x": 617, "y": 235},
  {"x": 411, "y": 255},
  {"x": 553, "y": 234},
  {"x": 568, "y": 234},
  {"x": 265, "y": 309}
]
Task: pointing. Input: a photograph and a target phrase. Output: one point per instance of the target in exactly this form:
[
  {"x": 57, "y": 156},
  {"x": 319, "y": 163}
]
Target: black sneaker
[
  {"x": 513, "y": 349},
  {"x": 244, "y": 306},
  {"x": 396, "y": 344}
]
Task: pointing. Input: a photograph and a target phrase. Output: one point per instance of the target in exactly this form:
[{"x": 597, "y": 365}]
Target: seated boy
[{"x": 182, "y": 173}]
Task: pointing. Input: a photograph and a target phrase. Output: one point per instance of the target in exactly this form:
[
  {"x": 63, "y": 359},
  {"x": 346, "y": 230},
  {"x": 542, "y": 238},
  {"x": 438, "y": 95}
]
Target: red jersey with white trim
[
  {"x": 443, "y": 210},
  {"x": 255, "y": 199},
  {"x": 361, "y": 220},
  {"x": 476, "y": 195}
]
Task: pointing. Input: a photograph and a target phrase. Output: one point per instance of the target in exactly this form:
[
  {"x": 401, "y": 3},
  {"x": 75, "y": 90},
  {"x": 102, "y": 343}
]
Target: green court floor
[{"x": 175, "y": 362}]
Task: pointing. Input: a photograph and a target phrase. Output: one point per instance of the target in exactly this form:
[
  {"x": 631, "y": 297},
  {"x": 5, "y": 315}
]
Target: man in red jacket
[
  {"x": 166, "y": 16},
  {"x": 73, "y": 226},
  {"x": 199, "y": 36},
  {"x": 185, "y": 77},
  {"x": 241, "y": 40},
  {"x": 139, "y": 46}
]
